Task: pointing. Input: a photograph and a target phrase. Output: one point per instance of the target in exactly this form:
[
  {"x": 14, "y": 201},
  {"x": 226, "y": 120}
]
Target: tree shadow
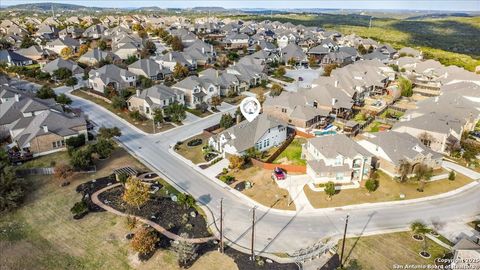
[{"x": 370, "y": 216}]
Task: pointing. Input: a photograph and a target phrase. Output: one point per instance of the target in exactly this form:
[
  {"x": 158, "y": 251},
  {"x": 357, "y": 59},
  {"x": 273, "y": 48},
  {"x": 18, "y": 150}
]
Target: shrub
[
  {"x": 406, "y": 86},
  {"x": 371, "y": 184},
  {"x": 195, "y": 142},
  {"x": 227, "y": 179},
  {"x": 451, "y": 175},
  {"x": 144, "y": 241},
  {"x": 81, "y": 159},
  {"x": 75, "y": 142},
  {"x": 119, "y": 103},
  {"x": 137, "y": 116},
  {"x": 330, "y": 189},
  {"x": 79, "y": 209}
]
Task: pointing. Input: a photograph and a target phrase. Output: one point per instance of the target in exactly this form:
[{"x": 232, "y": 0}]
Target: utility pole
[
  {"x": 253, "y": 233},
  {"x": 221, "y": 225},
  {"x": 343, "y": 242}
]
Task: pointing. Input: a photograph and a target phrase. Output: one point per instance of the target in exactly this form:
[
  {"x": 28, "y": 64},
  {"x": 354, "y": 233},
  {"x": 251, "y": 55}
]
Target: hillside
[
  {"x": 48, "y": 6},
  {"x": 451, "y": 40}
]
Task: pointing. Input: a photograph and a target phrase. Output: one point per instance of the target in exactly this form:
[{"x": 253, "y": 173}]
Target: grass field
[
  {"x": 146, "y": 125},
  {"x": 451, "y": 40},
  {"x": 386, "y": 250},
  {"x": 193, "y": 153},
  {"x": 292, "y": 154},
  {"x": 43, "y": 235},
  {"x": 388, "y": 190}
]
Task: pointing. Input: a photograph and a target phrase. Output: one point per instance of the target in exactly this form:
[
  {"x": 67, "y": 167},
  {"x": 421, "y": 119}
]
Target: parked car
[{"x": 278, "y": 174}]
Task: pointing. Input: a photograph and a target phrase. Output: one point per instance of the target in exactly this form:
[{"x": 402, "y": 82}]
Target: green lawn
[
  {"x": 198, "y": 113},
  {"x": 292, "y": 154},
  {"x": 193, "y": 153}
]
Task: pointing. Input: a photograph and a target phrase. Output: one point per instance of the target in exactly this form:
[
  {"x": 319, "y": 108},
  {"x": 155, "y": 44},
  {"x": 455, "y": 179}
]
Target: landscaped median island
[
  {"x": 388, "y": 190},
  {"x": 196, "y": 149},
  {"x": 143, "y": 124}
]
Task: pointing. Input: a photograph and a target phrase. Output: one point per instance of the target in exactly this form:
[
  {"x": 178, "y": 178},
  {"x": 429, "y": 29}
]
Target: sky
[{"x": 461, "y": 5}]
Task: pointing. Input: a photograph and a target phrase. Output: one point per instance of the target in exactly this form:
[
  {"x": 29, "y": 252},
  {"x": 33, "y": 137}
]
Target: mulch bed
[
  {"x": 90, "y": 187},
  {"x": 161, "y": 210},
  {"x": 244, "y": 263}
]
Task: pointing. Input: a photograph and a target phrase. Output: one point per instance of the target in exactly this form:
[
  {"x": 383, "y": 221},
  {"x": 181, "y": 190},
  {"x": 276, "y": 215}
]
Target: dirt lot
[
  {"x": 264, "y": 190},
  {"x": 389, "y": 190}
]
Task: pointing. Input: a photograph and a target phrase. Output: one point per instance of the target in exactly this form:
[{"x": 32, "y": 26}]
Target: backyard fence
[
  {"x": 286, "y": 167},
  {"x": 35, "y": 171}
]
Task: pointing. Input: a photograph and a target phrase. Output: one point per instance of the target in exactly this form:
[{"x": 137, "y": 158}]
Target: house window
[
  {"x": 338, "y": 161},
  {"x": 258, "y": 146},
  {"x": 339, "y": 176},
  {"x": 284, "y": 110},
  {"x": 147, "y": 110}
]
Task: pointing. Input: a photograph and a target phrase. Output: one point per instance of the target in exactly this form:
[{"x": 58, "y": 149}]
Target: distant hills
[{"x": 48, "y": 6}]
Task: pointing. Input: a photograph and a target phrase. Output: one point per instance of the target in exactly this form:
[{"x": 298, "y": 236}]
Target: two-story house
[
  {"x": 156, "y": 97},
  {"x": 197, "y": 90},
  {"x": 336, "y": 158},
  {"x": 111, "y": 76}
]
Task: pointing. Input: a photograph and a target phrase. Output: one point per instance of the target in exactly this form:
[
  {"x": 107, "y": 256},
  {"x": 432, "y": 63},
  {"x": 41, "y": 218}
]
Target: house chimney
[
  {"x": 334, "y": 101},
  {"x": 17, "y": 97},
  {"x": 138, "y": 92},
  {"x": 211, "y": 48},
  {"x": 170, "y": 57},
  {"x": 217, "y": 73},
  {"x": 336, "y": 83},
  {"x": 203, "y": 50},
  {"x": 436, "y": 99},
  {"x": 45, "y": 128},
  {"x": 239, "y": 118}
]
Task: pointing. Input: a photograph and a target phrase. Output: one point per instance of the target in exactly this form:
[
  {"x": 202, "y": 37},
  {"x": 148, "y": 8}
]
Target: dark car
[{"x": 278, "y": 174}]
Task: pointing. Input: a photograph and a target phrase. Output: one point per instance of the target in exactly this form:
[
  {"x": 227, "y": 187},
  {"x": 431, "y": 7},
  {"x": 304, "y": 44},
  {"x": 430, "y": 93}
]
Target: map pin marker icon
[{"x": 250, "y": 108}]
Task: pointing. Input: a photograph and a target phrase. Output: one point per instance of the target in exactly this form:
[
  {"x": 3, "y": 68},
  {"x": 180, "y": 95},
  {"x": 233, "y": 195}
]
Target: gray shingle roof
[{"x": 333, "y": 145}]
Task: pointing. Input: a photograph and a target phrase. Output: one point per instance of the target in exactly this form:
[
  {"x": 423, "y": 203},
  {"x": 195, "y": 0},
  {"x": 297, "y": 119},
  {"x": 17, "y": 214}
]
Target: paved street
[{"x": 276, "y": 231}]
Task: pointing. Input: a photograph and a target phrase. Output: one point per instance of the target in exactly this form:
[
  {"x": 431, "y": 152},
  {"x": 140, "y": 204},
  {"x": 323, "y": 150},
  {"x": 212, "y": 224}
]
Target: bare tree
[{"x": 404, "y": 168}]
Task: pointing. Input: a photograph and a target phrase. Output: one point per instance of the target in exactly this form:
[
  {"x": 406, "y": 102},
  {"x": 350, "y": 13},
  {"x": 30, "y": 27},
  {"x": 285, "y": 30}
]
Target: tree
[
  {"x": 280, "y": 72},
  {"x": 423, "y": 173},
  {"x": 257, "y": 48},
  {"x": 145, "y": 82},
  {"x": 330, "y": 189},
  {"x": 176, "y": 44},
  {"x": 451, "y": 175},
  {"x": 216, "y": 101},
  {"x": 108, "y": 133},
  {"x": 150, "y": 47},
  {"x": 370, "y": 49},
  {"x": 144, "y": 241},
  {"x": 81, "y": 159},
  {"x": 186, "y": 200},
  {"x": 186, "y": 251},
  {"x": 103, "y": 148},
  {"x": 4, "y": 44},
  {"x": 236, "y": 162},
  {"x": 180, "y": 71},
  {"x": 136, "y": 193},
  {"x": 45, "y": 93},
  {"x": 276, "y": 90},
  {"x": 420, "y": 229},
  {"x": 353, "y": 265},
  {"x": 75, "y": 142},
  {"x": 82, "y": 50},
  {"x": 175, "y": 112},
  {"x": 327, "y": 70},
  {"x": 72, "y": 81},
  {"x": 63, "y": 171},
  {"x": 291, "y": 61},
  {"x": 131, "y": 59},
  {"x": 404, "y": 169},
  {"x": 361, "y": 49},
  {"x": 137, "y": 27},
  {"x": 312, "y": 61},
  {"x": 102, "y": 44},
  {"x": 227, "y": 121},
  {"x": 12, "y": 189},
  {"x": 66, "y": 52},
  {"x": 232, "y": 56},
  {"x": 63, "y": 99},
  {"x": 62, "y": 74},
  {"x": 27, "y": 42},
  {"x": 119, "y": 102},
  {"x": 405, "y": 86},
  {"x": 158, "y": 116},
  {"x": 122, "y": 178},
  {"x": 371, "y": 184},
  {"x": 261, "y": 98}
]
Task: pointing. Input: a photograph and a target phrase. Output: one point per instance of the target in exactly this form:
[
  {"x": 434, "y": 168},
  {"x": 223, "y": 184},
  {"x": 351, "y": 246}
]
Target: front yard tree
[
  {"x": 276, "y": 90},
  {"x": 227, "y": 121},
  {"x": 176, "y": 112},
  {"x": 72, "y": 81},
  {"x": 451, "y": 175},
  {"x": 180, "y": 71},
  {"x": 66, "y": 52},
  {"x": 136, "y": 193},
  {"x": 63, "y": 171},
  {"x": 102, "y": 45},
  {"x": 327, "y": 70},
  {"x": 371, "y": 184},
  {"x": 420, "y": 230},
  {"x": 406, "y": 87},
  {"x": 291, "y": 61},
  {"x": 45, "y": 93},
  {"x": 104, "y": 148},
  {"x": 280, "y": 72},
  {"x": 158, "y": 116},
  {"x": 404, "y": 169},
  {"x": 12, "y": 189},
  {"x": 63, "y": 99},
  {"x": 62, "y": 74},
  {"x": 186, "y": 251},
  {"x": 423, "y": 173},
  {"x": 330, "y": 189},
  {"x": 82, "y": 50},
  {"x": 236, "y": 162},
  {"x": 216, "y": 101},
  {"x": 144, "y": 241},
  {"x": 108, "y": 133},
  {"x": 81, "y": 159},
  {"x": 261, "y": 97},
  {"x": 176, "y": 44},
  {"x": 119, "y": 102}
]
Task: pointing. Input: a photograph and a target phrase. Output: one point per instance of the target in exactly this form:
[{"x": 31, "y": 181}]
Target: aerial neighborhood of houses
[{"x": 338, "y": 111}]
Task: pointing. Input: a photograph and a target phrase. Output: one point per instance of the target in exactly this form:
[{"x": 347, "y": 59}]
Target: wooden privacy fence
[{"x": 286, "y": 167}]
